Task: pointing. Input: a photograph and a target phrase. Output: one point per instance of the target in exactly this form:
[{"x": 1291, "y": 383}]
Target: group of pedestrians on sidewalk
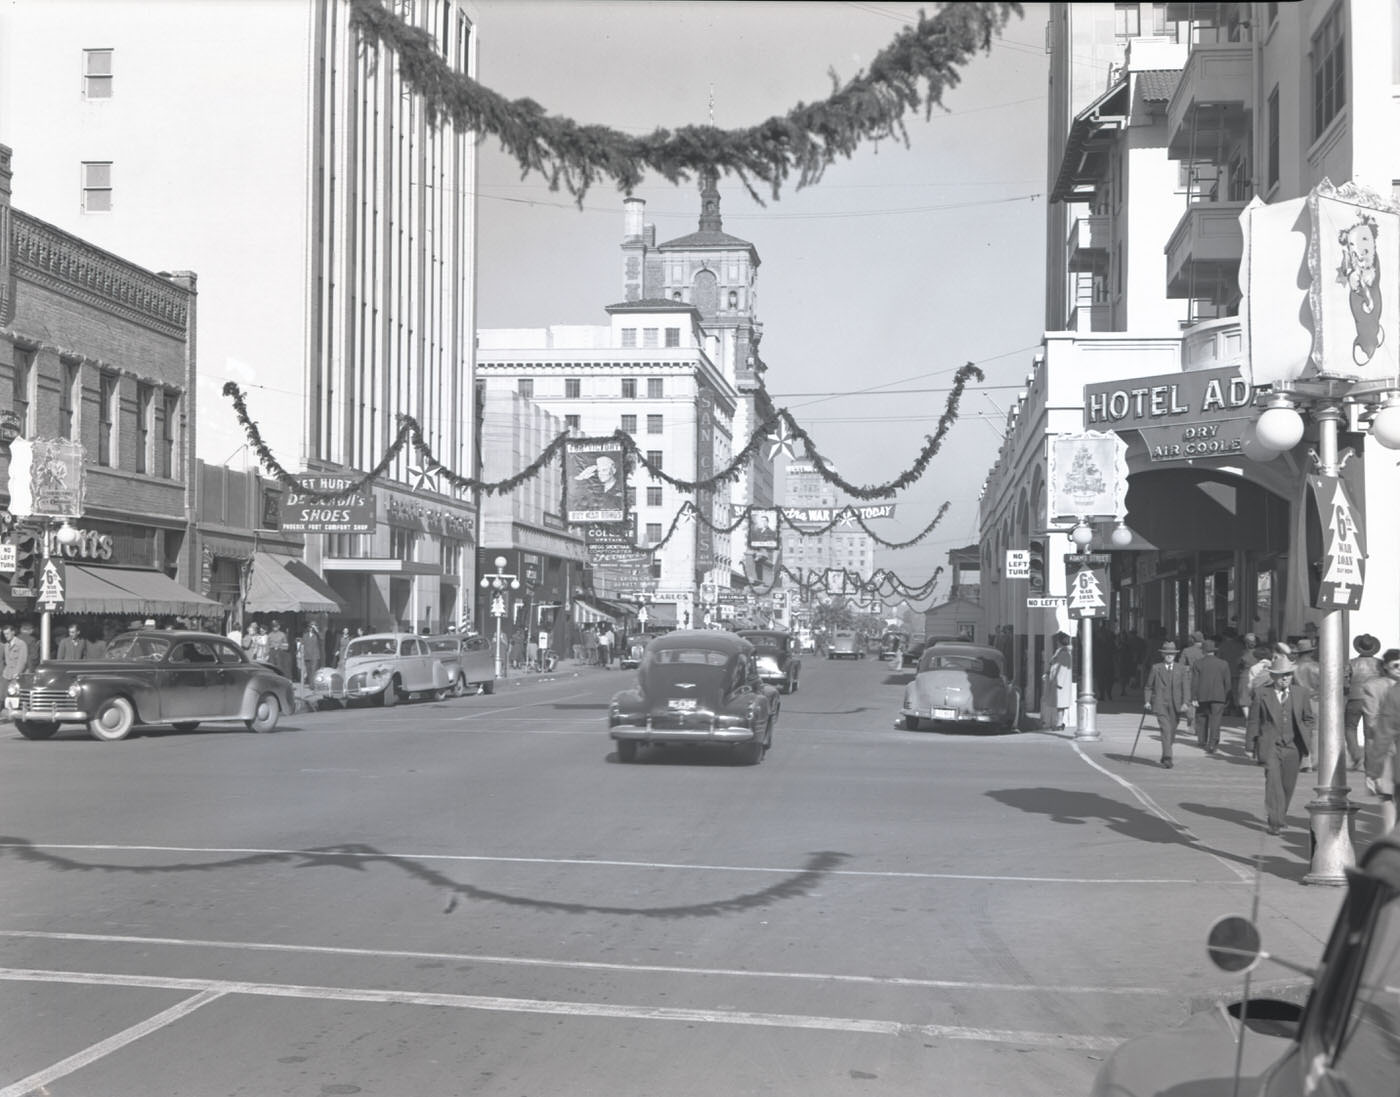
[{"x": 1277, "y": 689}]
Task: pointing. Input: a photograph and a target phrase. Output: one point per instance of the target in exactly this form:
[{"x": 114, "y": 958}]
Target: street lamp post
[
  {"x": 65, "y": 534},
  {"x": 499, "y": 580}
]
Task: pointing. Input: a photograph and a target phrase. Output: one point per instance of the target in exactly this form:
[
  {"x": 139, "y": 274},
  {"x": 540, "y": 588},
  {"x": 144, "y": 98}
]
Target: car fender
[
  {"x": 256, "y": 687},
  {"x": 95, "y": 689}
]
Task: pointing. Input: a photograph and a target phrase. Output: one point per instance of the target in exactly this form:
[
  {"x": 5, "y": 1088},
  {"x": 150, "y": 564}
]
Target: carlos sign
[{"x": 1181, "y": 416}]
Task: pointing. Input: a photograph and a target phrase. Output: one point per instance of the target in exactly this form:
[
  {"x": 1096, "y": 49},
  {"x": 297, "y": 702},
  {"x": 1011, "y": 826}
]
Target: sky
[{"x": 876, "y": 284}]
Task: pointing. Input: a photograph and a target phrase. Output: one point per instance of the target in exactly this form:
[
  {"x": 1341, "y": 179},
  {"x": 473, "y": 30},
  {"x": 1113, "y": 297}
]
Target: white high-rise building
[{"x": 330, "y": 225}]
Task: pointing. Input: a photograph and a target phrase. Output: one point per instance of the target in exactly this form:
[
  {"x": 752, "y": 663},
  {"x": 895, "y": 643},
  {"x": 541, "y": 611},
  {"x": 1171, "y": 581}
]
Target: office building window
[
  {"x": 655, "y": 424},
  {"x": 1329, "y": 70},
  {"x": 403, "y": 543},
  {"x": 654, "y": 458},
  {"x": 673, "y": 337},
  {"x": 1273, "y": 137},
  {"x": 97, "y": 74},
  {"x": 629, "y": 424},
  {"x": 629, "y": 337},
  {"x": 653, "y": 497},
  {"x": 169, "y": 424},
  {"x": 97, "y": 186},
  {"x": 525, "y": 386},
  {"x": 653, "y": 532},
  {"x": 107, "y": 420},
  {"x": 573, "y": 387},
  {"x": 1126, "y": 23},
  {"x": 649, "y": 337},
  {"x": 656, "y": 574},
  {"x": 571, "y": 421},
  {"x": 451, "y": 556},
  {"x": 145, "y": 409},
  {"x": 68, "y": 396},
  {"x": 629, "y": 388},
  {"x": 656, "y": 388},
  {"x": 24, "y": 388}
]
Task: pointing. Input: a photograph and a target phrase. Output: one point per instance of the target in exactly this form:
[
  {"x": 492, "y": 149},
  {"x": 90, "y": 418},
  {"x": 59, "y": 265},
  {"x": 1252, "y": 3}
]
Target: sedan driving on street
[
  {"x": 385, "y": 668},
  {"x": 696, "y": 686},
  {"x": 961, "y": 685},
  {"x": 778, "y": 661},
  {"x": 150, "y": 677}
]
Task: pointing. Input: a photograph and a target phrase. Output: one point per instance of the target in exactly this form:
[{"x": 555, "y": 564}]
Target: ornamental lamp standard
[
  {"x": 499, "y": 580},
  {"x": 1321, "y": 343}
]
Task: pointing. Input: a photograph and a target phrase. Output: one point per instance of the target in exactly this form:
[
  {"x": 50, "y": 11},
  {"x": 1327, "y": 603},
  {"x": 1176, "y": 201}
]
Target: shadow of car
[
  {"x": 961, "y": 685},
  {"x": 180, "y": 678},
  {"x": 696, "y": 686},
  {"x": 779, "y": 663}
]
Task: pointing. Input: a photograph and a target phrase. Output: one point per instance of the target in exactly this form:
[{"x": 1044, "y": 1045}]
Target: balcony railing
[
  {"x": 1090, "y": 318},
  {"x": 1212, "y": 102},
  {"x": 1203, "y": 255},
  {"x": 1087, "y": 246},
  {"x": 1212, "y": 344}
]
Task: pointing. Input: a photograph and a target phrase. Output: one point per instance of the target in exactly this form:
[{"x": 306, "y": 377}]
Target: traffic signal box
[
  {"x": 24, "y": 583},
  {"x": 1037, "y": 576}
]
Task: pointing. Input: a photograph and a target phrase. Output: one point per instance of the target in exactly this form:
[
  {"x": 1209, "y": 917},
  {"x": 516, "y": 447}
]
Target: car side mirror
[{"x": 1233, "y": 944}]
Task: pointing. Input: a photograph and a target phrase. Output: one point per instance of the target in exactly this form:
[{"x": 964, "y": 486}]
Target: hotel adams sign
[{"x": 1181, "y": 416}]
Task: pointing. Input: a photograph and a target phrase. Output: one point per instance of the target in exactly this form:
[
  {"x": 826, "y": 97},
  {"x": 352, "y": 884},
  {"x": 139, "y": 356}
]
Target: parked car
[
  {"x": 1342, "y": 1042},
  {"x": 467, "y": 661},
  {"x": 845, "y": 644},
  {"x": 150, "y": 677},
  {"x": 388, "y": 667},
  {"x": 631, "y": 656},
  {"x": 964, "y": 685},
  {"x": 909, "y": 657},
  {"x": 779, "y": 663},
  {"x": 696, "y": 686}
]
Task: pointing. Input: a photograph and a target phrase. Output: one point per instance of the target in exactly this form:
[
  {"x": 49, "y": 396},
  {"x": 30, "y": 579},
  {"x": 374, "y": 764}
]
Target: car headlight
[
  {"x": 12, "y": 689},
  {"x": 75, "y": 689}
]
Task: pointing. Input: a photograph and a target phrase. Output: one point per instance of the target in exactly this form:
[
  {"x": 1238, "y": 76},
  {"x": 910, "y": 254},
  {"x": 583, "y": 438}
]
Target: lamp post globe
[
  {"x": 500, "y": 563},
  {"x": 1280, "y": 428},
  {"x": 67, "y": 534},
  {"x": 1385, "y": 425},
  {"x": 1253, "y": 448},
  {"x": 1122, "y": 536},
  {"x": 1082, "y": 535}
]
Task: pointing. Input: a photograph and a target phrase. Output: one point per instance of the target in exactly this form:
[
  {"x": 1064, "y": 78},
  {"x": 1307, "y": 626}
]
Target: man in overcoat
[
  {"x": 1210, "y": 688},
  {"x": 1168, "y": 695},
  {"x": 1280, "y": 724}
]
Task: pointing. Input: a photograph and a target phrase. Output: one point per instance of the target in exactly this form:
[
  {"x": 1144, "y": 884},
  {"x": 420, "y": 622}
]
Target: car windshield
[
  {"x": 370, "y": 645},
  {"x": 138, "y": 649}
]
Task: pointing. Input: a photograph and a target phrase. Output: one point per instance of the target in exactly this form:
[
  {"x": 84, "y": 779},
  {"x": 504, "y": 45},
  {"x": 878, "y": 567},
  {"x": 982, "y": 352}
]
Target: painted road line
[
  {"x": 584, "y": 965},
  {"x": 495, "y": 1004},
  {"x": 386, "y": 855}
]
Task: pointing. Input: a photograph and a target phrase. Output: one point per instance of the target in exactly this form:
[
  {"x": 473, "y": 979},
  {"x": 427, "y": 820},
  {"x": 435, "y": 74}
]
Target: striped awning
[{"x": 586, "y": 614}]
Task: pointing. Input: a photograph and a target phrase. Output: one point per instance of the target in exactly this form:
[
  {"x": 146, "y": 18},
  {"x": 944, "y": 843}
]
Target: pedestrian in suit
[
  {"x": 1308, "y": 677},
  {"x": 1167, "y": 696},
  {"x": 1210, "y": 689},
  {"x": 1280, "y": 724},
  {"x": 1360, "y": 670},
  {"x": 1193, "y": 651}
]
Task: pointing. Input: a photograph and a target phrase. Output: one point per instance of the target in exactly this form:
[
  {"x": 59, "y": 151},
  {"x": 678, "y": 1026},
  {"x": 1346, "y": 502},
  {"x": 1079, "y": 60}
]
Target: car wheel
[
  {"x": 459, "y": 687},
  {"x": 768, "y": 736},
  {"x": 486, "y": 687},
  {"x": 390, "y": 697},
  {"x": 1013, "y": 720},
  {"x": 113, "y": 721},
  {"x": 185, "y": 725},
  {"x": 265, "y": 714},
  {"x": 794, "y": 686},
  {"x": 626, "y": 750},
  {"x": 911, "y": 723},
  {"x": 36, "y": 729}
]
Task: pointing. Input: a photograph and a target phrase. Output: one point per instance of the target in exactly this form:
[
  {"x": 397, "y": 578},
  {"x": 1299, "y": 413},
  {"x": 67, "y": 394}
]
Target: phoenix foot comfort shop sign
[{"x": 1181, "y": 416}]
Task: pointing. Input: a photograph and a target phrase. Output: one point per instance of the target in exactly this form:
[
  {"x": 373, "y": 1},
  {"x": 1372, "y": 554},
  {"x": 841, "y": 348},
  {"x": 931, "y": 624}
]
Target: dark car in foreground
[
  {"x": 150, "y": 677},
  {"x": 696, "y": 686},
  {"x": 961, "y": 685},
  {"x": 1344, "y": 1041},
  {"x": 779, "y": 663}
]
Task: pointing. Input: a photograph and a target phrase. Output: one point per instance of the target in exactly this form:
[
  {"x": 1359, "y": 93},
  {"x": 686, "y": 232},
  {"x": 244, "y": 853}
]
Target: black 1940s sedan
[
  {"x": 150, "y": 677},
  {"x": 778, "y": 662},
  {"x": 696, "y": 686}
]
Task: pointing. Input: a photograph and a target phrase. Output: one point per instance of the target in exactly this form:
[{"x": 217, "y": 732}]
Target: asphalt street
[{"x": 475, "y": 897}]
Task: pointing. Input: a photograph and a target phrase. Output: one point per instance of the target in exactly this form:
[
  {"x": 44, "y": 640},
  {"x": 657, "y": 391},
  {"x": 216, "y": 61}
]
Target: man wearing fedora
[
  {"x": 1280, "y": 727},
  {"x": 1210, "y": 689},
  {"x": 1307, "y": 676},
  {"x": 1360, "y": 670},
  {"x": 1167, "y": 696}
]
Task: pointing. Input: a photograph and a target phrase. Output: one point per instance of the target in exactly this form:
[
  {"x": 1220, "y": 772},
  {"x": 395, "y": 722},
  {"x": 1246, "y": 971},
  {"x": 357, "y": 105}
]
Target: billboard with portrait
[
  {"x": 763, "y": 527},
  {"x": 595, "y": 481}
]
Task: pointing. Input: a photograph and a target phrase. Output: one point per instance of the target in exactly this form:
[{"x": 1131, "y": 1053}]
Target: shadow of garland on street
[{"x": 356, "y": 857}]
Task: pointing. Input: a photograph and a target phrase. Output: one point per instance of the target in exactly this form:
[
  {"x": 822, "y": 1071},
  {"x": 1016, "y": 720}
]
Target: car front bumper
[{"x": 46, "y": 714}]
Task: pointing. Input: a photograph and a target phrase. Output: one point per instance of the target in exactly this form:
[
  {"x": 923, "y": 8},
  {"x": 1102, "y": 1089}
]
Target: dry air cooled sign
[{"x": 1181, "y": 416}]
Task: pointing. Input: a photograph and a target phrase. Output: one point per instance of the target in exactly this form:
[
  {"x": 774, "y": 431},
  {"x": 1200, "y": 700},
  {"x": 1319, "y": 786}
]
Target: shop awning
[
  {"x": 284, "y": 584},
  {"x": 588, "y": 614},
  {"x": 132, "y": 591}
]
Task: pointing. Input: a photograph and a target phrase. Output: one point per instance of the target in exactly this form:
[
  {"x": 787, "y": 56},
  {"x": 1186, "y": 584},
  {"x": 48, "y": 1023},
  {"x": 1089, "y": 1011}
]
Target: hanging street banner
[
  {"x": 1336, "y": 524},
  {"x": 821, "y": 516},
  {"x": 763, "y": 528},
  {"x": 46, "y": 478},
  {"x": 1086, "y": 575},
  {"x": 595, "y": 481},
  {"x": 305, "y": 513},
  {"x": 1181, "y": 416}
]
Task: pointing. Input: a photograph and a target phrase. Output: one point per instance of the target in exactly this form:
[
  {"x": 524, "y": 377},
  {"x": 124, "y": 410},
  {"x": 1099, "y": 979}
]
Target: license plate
[
  {"x": 945, "y": 714},
  {"x": 681, "y": 704}
]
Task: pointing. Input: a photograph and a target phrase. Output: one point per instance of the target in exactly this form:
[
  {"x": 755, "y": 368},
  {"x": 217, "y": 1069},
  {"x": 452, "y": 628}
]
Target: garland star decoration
[
  {"x": 912, "y": 72},
  {"x": 781, "y": 441}
]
